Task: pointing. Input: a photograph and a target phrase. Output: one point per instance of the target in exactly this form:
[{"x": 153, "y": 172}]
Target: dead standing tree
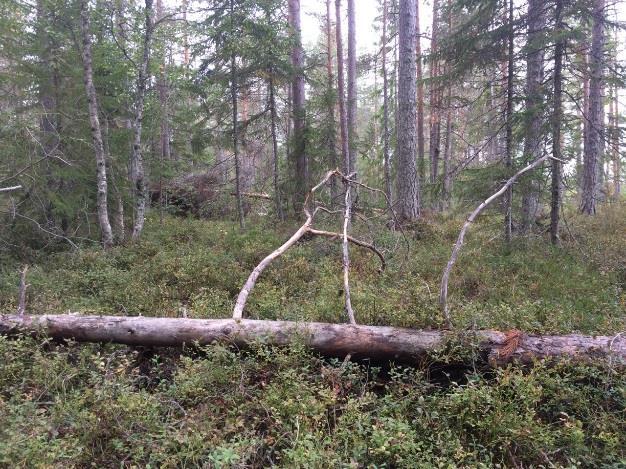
[{"x": 311, "y": 209}]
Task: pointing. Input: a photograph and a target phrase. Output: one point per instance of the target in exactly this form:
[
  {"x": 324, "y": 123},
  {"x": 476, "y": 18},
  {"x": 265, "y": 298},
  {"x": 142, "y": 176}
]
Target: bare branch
[
  {"x": 443, "y": 292},
  {"x": 346, "y": 254},
  {"x": 9, "y": 189},
  {"x": 21, "y": 306},
  {"x": 358, "y": 242}
]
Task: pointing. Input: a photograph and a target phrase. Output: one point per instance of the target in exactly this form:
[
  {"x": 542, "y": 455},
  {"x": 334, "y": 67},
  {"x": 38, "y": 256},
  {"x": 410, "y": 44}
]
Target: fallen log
[{"x": 375, "y": 342}]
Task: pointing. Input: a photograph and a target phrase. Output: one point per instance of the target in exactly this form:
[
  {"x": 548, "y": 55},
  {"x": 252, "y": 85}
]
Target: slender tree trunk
[
  {"x": 435, "y": 119},
  {"x": 330, "y": 83},
  {"x": 298, "y": 156},
  {"x": 617, "y": 186},
  {"x": 508, "y": 196},
  {"x": 96, "y": 131},
  {"x": 421, "y": 163},
  {"x": 445, "y": 196},
  {"x": 164, "y": 92},
  {"x": 534, "y": 101},
  {"x": 557, "y": 117},
  {"x": 341, "y": 94},
  {"x": 136, "y": 162},
  {"x": 407, "y": 178},
  {"x": 386, "y": 155},
  {"x": 233, "y": 98},
  {"x": 273, "y": 115},
  {"x": 352, "y": 100},
  {"x": 595, "y": 121}
]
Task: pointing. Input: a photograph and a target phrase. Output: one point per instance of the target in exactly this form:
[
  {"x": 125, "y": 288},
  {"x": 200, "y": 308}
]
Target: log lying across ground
[{"x": 376, "y": 342}]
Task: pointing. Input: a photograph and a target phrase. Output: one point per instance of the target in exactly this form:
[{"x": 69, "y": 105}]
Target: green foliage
[{"x": 81, "y": 405}]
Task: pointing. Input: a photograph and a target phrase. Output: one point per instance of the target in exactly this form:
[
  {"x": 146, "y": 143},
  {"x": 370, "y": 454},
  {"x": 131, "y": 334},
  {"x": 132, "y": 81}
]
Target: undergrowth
[{"x": 86, "y": 405}]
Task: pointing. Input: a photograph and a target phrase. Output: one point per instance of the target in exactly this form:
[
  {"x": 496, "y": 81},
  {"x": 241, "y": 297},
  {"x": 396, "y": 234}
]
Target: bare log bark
[
  {"x": 443, "y": 291},
  {"x": 377, "y": 342}
]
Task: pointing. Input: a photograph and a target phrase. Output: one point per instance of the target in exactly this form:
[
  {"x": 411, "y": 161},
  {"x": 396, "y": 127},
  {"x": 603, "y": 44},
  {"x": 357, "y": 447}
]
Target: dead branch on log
[
  {"x": 338, "y": 340},
  {"x": 9, "y": 189},
  {"x": 443, "y": 291},
  {"x": 254, "y": 195},
  {"x": 21, "y": 305},
  {"x": 311, "y": 209}
]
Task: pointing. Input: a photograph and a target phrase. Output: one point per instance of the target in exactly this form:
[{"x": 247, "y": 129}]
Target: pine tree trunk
[
  {"x": 352, "y": 100},
  {"x": 557, "y": 116},
  {"x": 330, "y": 84},
  {"x": 298, "y": 156},
  {"x": 421, "y": 163},
  {"x": 275, "y": 178},
  {"x": 96, "y": 131},
  {"x": 617, "y": 170},
  {"x": 164, "y": 92},
  {"x": 341, "y": 93},
  {"x": 386, "y": 153},
  {"x": 407, "y": 178},
  {"x": 534, "y": 101},
  {"x": 435, "y": 118},
  {"x": 595, "y": 118},
  {"x": 508, "y": 196},
  {"x": 136, "y": 162},
  {"x": 235, "y": 127}
]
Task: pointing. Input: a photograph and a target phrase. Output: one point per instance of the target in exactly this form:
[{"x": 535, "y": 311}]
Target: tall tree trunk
[
  {"x": 164, "y": 92},
  {"x": 508, "y": 196},
  {"x": 407, "y": 178},
  {"x": 136, "y": 162},
  {"x": 298, "y": 156},
  {"x": 352, "y": 101},
  {"x": 595, "y": 118},
  {"x": 273, "y": 115},
  {"x": 341, "y": 94},
  {"x": 557, "y": 117},
  {"x": 233, "y": 98},
  {"x": 534, "y": 101},
  {"x": 617, "y": 170},
  {"x": 330, "y": 84},
  {"x": 435, "y": 117},
  {"x": 386, "y": 155},
  {"x": 96, "y": 131},
  {"x": 421, "y": 164}
]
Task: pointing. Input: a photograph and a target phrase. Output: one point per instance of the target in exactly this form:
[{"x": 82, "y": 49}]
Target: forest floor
[{"x": 79, "y": 405}]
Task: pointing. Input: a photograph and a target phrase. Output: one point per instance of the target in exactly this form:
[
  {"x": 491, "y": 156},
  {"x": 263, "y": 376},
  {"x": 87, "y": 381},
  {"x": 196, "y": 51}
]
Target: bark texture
[
  {"x": 557, "y": 116},
  {"x": 407, "y": 180},
  {"x": 96, "y": 130},
  {"x": 595, "y": 118},
  {"x": 136, "y": 161},
  {"x": 534, "y": 102},
  {"x": 377, "y": 342},
  {"x": 341, "y": 93},
  {"x": 299, "y": 119},
  {"x": 352, "y": 101}
]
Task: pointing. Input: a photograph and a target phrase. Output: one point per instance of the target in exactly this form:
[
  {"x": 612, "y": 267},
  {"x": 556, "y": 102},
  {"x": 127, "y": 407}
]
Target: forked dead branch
[{"x": 311, "y": 208}]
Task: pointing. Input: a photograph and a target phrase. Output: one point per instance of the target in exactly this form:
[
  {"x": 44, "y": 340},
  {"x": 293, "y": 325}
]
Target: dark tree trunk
[
  {"x": 298, "y": 156},
  {"x": 330, "y": 84},
  {"x": 273, "y": 115},
  {"x": 96, "y": 131},
  {"x": 235, "y": 116},
  {"x": 595, "y": 118},
  {"x": 421, "y": 163},
  {"x": 386, "y": 155},
  {"x": 341, "y": 94},
  {"x": 508, "y": 196},
  {"x": 435, "y": 104},
  {"x": 407, "y": 179},
  {"x": 352, "y": 100},
  {"x": 557, "y": 117},
  {"x": 534, "y": 102}
]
